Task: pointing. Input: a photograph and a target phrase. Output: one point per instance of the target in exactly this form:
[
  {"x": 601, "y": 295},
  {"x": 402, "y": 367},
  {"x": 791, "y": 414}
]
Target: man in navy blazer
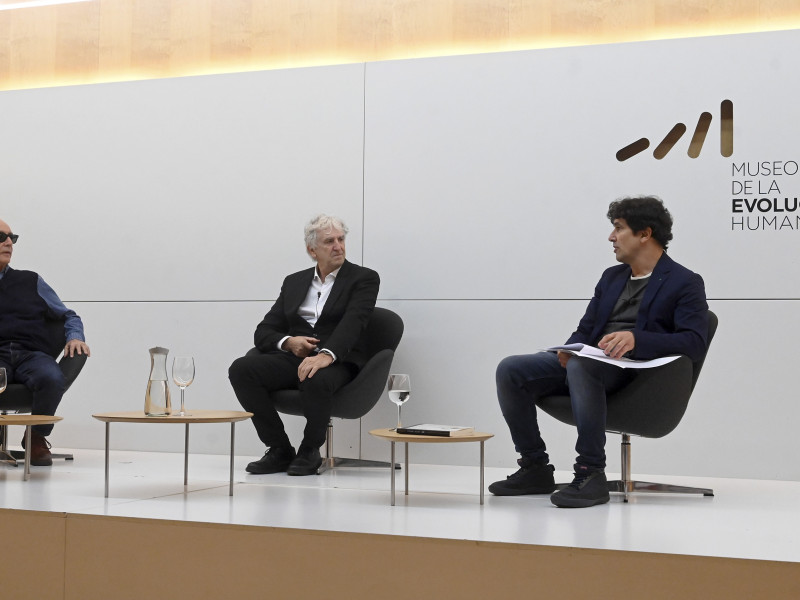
[
  {"x": 311, "y": 340},
  {"x": 647, "y": 307}
]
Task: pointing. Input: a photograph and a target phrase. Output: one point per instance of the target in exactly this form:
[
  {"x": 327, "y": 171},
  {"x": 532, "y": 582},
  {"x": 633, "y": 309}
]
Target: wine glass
[
  {"x": 183, "y": 375},
  {"x": 399, "y": 392},
  {"x": 3, "y": 380}
]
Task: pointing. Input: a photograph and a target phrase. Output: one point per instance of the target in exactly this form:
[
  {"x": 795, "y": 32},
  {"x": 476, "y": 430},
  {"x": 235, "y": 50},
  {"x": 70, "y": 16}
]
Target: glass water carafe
[{"x": 156, "y": 400}]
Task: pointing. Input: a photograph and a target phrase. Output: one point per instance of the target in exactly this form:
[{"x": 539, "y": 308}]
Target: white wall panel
[
  {"x": 115, "y": 376},
  {"x": 739, "y": 423},
  {"x": 180, "y": 189},
  {"x": 489, "y": 176}
]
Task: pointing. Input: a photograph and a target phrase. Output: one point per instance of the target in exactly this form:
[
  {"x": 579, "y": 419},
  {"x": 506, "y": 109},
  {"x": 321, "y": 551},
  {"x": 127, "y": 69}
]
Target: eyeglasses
[{"x": 4, "y": 236}]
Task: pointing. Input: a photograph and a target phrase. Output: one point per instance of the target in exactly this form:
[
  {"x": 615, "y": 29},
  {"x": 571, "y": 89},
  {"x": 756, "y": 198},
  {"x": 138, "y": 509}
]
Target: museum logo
[
  {"x": 698, "y": 138},
  {"x": 760, "y": 194}
]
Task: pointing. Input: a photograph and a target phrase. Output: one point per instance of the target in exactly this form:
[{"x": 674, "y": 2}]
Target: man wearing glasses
[{"x": 26, "y": 303}]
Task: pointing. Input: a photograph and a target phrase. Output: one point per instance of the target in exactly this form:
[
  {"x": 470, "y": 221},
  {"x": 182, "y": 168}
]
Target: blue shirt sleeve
[{"x": 73, "y": 326}]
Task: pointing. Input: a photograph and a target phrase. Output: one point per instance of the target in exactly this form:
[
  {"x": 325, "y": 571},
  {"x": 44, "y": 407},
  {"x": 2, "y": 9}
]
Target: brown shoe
[{"x": 40, "y": 450}]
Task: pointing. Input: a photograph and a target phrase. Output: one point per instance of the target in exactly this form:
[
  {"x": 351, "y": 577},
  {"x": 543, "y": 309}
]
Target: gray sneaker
[
  {"x": 587, "y": 489},
  {"x": 531, "y": 478}
]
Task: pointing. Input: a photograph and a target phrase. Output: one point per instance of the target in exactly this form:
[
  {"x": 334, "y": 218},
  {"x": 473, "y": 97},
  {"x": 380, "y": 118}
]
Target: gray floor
[{"x": 746, "y": 518}]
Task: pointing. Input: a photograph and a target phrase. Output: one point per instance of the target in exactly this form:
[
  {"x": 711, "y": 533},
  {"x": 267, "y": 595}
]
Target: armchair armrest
[{"x": 71, "y": 366}]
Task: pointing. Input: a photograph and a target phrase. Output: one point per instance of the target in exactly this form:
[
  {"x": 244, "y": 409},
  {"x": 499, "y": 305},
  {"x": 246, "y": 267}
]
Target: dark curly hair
[{"x": 643, "y": 212}]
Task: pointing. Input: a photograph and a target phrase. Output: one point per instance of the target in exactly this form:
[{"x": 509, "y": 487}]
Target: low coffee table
[
  {"x": 194, "y": 416},
  {"x": 392, "y": 436},
  {"x": 28, "y": 421}
]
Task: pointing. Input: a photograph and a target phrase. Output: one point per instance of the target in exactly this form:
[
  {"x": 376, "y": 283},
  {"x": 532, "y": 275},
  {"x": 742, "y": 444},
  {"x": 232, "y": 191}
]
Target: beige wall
[{"x": 112, "y": 40}]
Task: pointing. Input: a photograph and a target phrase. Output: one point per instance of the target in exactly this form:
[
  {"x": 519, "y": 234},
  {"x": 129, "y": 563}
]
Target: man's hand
[
  {"x": 78, "y": 346},
  {"x": 563, "y": 357},
  {"x": 312, "y": 364},
  {"x": 616, "y": 344},
  {"x": 301, "y": 346}
]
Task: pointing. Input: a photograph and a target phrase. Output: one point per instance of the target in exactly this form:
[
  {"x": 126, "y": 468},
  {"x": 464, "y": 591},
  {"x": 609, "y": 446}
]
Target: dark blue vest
[{"x": 23, "y": 311}]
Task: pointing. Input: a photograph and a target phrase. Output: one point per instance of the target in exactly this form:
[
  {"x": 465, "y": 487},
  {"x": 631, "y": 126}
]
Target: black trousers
[{"x": 253, "y": 377}]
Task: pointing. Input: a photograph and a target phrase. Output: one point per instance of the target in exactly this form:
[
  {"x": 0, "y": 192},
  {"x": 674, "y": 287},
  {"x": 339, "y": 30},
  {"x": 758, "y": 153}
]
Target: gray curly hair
[{"x": 322, "y": 223}]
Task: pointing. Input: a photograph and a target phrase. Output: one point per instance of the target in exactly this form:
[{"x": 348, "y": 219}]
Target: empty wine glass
[
  {"x": 183, "y": 375},
  {"x": 399, "y": 392}
]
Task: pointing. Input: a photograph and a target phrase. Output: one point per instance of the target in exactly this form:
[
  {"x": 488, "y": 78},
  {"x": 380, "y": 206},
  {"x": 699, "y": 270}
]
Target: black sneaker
[
  {"x": 275, "y": 460},
  {"x": 587, "y": 489},
  {"x": 532, "y": 478},
  {"x": 307, "y": 462}
]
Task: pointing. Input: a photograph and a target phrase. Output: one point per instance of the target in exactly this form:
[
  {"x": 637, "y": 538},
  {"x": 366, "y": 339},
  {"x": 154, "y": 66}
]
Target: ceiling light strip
[{"x": 35, "y": 3}]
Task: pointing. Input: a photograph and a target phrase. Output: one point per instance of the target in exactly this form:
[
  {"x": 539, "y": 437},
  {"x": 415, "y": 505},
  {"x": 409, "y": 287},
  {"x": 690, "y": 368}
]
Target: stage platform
[{"x": 336, "y": 536}]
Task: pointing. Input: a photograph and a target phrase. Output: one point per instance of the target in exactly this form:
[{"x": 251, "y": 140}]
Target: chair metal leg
[
  {"x": 329, "y": 462},
  {"x": 625, "y": 465},
  {"x": 332, "y": 462},
  {"x": 662, "y": 488},
  {"x": 6, "y": 456},
  {"x": 20, "y": 455},
  {"x": 626, "y": 485}
]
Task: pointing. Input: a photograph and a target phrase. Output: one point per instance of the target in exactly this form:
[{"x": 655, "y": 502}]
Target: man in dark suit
[
  {"x": 311, "y": 340},
  {"x": 647, "y": 307}
]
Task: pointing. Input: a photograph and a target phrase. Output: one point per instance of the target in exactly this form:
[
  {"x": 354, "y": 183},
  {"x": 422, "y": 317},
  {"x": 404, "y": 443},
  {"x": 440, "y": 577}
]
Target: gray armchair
[
  {"x": 650, "y": 406},
  {"x": 356, "y": 399}
]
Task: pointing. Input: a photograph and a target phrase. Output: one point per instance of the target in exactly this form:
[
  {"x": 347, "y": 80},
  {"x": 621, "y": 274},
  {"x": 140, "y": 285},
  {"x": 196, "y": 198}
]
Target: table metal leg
[
  {"x": 482, "y": 456},
  {"x": 186, "y": 459},
  {"x": 5, "y": 454},
  {"x": 391, "y": 473},
  {"x": 233, "y": 425},
  {"x": 27, "y": 474},
  {"x": 407, "y": 445},
  {"x": 108, "y": 430}
]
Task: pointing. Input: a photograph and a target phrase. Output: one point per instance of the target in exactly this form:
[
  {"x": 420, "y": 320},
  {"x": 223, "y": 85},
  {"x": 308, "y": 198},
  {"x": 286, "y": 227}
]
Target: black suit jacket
[{"x": 343, "y": 319}]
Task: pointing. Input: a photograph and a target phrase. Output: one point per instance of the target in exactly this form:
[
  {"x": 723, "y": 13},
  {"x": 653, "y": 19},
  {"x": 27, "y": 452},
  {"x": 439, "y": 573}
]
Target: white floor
[{"x": 746, "y": 518}]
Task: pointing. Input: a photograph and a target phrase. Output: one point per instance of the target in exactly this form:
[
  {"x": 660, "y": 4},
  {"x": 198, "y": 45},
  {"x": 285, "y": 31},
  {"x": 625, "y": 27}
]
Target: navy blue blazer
[
  {"x": 343, "y": 319},
  {"x": 673, "y": 314}
]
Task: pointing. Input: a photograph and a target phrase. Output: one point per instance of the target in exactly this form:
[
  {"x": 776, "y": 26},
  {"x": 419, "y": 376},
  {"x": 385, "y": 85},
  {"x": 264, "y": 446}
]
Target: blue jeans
[
  {"x": 40, "y": 373},
  {"x": 523, "y": 378}
]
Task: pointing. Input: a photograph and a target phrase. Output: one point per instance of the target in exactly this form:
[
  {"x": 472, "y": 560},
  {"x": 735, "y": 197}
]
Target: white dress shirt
[{"x": 311, "y": 308}]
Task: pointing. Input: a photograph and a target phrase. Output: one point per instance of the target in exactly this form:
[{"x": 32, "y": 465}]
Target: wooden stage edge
[{"x": 77, "y": 556}]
